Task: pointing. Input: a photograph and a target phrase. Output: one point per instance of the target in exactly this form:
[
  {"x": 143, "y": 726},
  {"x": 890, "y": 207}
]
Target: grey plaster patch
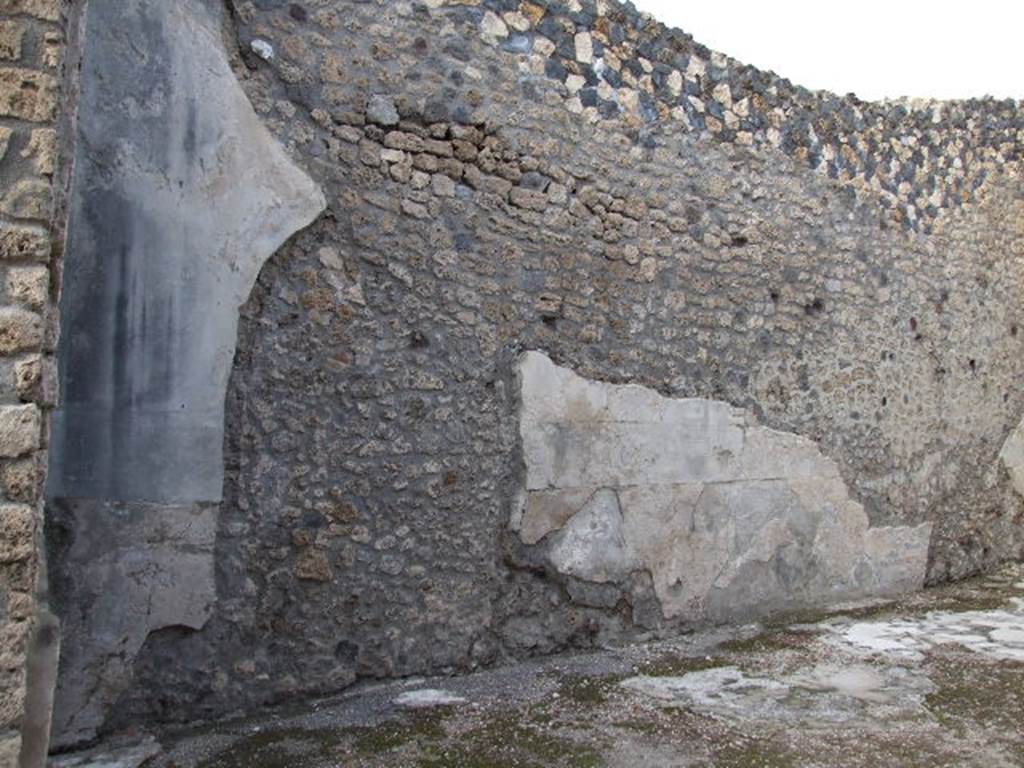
[
  {"x": 128, "y": 570},
  {"x": 728, "y": 517},
  {"x": 179, "y": 196},
  {"x": 1012, "y": 457}
]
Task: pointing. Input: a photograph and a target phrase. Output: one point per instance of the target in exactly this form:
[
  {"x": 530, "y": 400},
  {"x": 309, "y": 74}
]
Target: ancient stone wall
[
  {"x": 824, "y": 292},
  {"x": 31, "y": 54}
]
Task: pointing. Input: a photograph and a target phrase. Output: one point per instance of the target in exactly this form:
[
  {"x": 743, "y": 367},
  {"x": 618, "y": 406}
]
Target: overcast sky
[{"x": 874, "y": 48}]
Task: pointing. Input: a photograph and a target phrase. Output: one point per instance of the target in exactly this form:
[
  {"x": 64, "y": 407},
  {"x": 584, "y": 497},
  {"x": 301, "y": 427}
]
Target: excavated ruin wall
[{"x": 825, "y": 293}]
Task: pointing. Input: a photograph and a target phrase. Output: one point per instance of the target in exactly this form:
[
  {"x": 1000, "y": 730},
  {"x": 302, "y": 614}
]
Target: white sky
[{"x": 949, "y": 49}]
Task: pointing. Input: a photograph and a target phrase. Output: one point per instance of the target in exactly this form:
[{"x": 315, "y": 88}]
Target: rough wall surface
[
  {"x": 31, "y": 53},
  {"x": 505, "y": 176}
]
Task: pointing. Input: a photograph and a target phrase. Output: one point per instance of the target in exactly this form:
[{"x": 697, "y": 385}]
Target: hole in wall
[{"x": 816, "y": 307}]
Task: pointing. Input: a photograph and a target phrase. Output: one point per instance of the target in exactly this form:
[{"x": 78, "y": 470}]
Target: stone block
[
  {"x": 10, "y": 748},
  {"x": 28, "y": 95},
  {"x": 27, "y": 199},
  {"x": 313, "y": 565},
  {"x": 28, "y": 379},
  {"x": 5, "y": 141},
  {"x": 20, "y": 480},
  {"x": 42, "y": 150},
  {"x": 528, "y": 198},
  {"x": 20, "y": 606},
  {"x": 19, "y": 576},
  {"x": 24, "y": 242},
  {"x": 19, "y": 430},
  {"x": 48, "y": 10},
  {"x": 53, "y": 49},
  {"x": 29, "y": 285},
  {"x": 20, "y": 331},
  {"x": 17, "y": 527},
  {"x": 12, "y": 703},
  {"x": 11, "y": 35}
]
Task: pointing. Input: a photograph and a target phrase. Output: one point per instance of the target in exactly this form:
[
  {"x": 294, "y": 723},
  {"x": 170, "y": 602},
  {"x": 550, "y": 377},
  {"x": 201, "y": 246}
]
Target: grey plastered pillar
[{"x": 179, "y": 195}]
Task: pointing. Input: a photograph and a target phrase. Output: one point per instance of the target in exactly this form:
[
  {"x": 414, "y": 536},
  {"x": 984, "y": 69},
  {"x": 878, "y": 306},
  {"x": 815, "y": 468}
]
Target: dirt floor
[{"x": 936, "y": 679}]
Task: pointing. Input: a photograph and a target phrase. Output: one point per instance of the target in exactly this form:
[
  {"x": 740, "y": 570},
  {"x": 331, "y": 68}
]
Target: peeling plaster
[
  {"x": 174, "y": 207},
  {"x": 728, "y": 517}
]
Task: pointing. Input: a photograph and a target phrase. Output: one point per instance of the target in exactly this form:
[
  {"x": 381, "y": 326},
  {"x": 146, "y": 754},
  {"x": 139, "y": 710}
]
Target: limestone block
[
  {"x": 20, "y": 479},
  {"x": 730, "y": 519},
  {"x": 27, "y": 199},
  {"x": 19, "y": 430},
  {"x": 28, "y": 374},
  {"x": 10, "y": 747},
  {"x": 48, "y": 10},
  {"x": 24, "y": 242},
  {"x": 11, "y": 35},
  {"x": 42, "y": 149},
  {"x": 29, "y": 285},
  {"x": 20, "y": 330},
  {"x": 27, "y": 95},
  {"x": 17, "y": 525}
]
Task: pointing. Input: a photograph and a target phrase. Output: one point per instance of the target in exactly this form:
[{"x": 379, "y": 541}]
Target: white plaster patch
[
  {"x": 828, "y": 692},
  {"x": 996, "y": 634},
  {"x": 729, "y": 518},
  {"x": 426, "y": 698}
]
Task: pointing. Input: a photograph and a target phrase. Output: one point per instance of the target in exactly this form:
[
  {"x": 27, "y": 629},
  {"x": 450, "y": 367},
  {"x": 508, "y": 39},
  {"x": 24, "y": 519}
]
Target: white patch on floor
[
  {"x": 427, "y": 697},
  {"x": 857, "y": 670},
  {"x": 998, "y": 634},
  {"x": 828, "y": 692}
]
